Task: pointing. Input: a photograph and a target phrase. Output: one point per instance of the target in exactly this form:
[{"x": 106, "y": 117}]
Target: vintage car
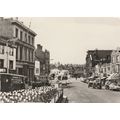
[
  {"x": 107, "y": 83},
  {"x": 114, "y": 86},
  {"x": 91, "y": 81},
  {"x": 97, "y": 83}
]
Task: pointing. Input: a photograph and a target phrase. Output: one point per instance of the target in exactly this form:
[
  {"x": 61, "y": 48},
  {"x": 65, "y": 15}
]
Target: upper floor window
[
  {"x": 113, "y": 59},
  {"x": 10, "y": 64},
  {"x": 117, "y": 58},
  {"x": 1, "y": 63},
  {"x": 11, "y": 51},
  {"x": 1, "y": 49},
  {"x": 21, "y": 35},
  {"x": 29, "y": 39},
  {"x": 32, "y": 40},
  {"x": 16, "y": 32},
  {"x": 25, "y": 37}
]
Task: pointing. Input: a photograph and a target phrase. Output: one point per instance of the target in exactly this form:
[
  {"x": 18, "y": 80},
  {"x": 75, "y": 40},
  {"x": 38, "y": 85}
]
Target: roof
[
  {"x": 103, "y": 56},
  {"x": 100, "y": 53},
  {"x": 23, "y": 26},
  {"x": 10, "y": 74}
]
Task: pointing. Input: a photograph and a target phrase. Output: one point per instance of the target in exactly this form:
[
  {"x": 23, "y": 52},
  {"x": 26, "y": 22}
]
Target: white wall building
[
  {"x": 7, "y": 56},
  {"x": 37, "y": 68}
]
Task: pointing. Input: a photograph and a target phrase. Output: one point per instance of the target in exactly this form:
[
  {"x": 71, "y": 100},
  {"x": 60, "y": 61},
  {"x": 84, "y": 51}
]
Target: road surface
[{"x": 78, "y": 92}]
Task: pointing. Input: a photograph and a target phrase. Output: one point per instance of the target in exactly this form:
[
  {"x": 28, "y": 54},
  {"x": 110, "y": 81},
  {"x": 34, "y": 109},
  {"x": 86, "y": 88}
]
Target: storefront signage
[{"x": 3, "y": 70}]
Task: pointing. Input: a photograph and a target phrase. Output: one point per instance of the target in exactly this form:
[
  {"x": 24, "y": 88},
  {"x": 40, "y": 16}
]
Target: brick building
[
  {"x": 96, "y": 57},
  {"x": 44, "y": 58},
  {"x": 115, "y": 61},
  {"x": 25, "y": 45}
]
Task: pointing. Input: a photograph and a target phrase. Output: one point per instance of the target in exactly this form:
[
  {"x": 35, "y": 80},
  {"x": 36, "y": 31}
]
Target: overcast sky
[{"x": 68, "y": 39}]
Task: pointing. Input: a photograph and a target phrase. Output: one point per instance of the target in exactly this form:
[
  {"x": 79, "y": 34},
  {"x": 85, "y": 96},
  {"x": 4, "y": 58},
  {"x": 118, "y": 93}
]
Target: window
[
  {"x": 21, "y": 35},
  {"x": 1, "y": 63},
  {"x": 32, "y": 56},
  {"x": 32, "y": 41},
  {"x": 37, "y": 70},
  {"x": 11, "y": 51},
  {"x": 10, "y": 64},
  {"x": 29, "y": 54},
  {"x": 20, "y": 53},
  {"x": 25, "y": 37},
  {"x": 117, "y": 58},
  {"x": 16, "y": 32},
  {"x": 108, "y": 68},
  {"x": 29, "y": 39},
  {"x": 113, "y": 59},
  {"x": 1, "y": 49},
  {"x": 25, "y": 53},
  {"x": 17, "y": 53}
]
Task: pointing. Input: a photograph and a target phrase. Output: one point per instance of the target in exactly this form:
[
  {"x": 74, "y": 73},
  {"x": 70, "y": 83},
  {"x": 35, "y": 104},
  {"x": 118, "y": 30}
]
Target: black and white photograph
[{"x": 59, "y": 60}]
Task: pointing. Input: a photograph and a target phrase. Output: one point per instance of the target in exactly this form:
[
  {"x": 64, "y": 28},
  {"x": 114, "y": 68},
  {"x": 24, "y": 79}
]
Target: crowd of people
[{"x": 41, "y": 94}]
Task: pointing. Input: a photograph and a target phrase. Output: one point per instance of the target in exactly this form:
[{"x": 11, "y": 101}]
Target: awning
[{"x": 114, "y": 76}]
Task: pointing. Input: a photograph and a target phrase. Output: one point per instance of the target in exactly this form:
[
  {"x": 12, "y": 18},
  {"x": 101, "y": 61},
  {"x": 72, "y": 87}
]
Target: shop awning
[{"x": 114, "y": 76}]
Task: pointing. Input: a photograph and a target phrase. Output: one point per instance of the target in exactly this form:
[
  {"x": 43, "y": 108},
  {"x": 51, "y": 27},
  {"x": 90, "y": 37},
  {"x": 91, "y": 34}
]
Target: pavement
[{"x": 78, "y": 92}]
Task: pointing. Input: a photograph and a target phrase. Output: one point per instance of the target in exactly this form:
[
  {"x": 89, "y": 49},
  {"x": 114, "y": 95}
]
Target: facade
[
  {"x": 115, "y": 61},
  {"x": 96, "y": 57},
  {"x": 25, "y": 45},
  {"x": 103, "y": 70},
  {"x": 7, "y": 56},
  {"x": 44, "y": 58},
  {"x": 37, "y": 69}
]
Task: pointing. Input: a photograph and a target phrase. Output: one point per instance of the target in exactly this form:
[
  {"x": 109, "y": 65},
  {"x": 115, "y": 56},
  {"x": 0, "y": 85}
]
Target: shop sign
[{"x": 3, "y": 70}]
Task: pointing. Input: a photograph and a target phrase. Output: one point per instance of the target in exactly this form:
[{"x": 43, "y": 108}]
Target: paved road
[{"x": 78, "y": 92}]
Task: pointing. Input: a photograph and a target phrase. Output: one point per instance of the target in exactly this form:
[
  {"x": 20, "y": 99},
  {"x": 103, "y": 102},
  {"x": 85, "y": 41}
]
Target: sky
[{"x": 69, "y": 38}]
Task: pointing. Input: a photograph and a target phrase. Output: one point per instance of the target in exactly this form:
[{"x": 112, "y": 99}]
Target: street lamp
[{"x": 7, "y": 45}]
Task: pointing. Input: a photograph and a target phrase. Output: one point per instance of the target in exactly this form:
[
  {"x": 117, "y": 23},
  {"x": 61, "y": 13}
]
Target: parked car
[
  {"x": 91, "y": 81},
  {"x": 83, "y": 80},
  {"x": 114, "y": 86},
  {"x": 107, "y": 83},
  {"x": 97, "y": 83}
]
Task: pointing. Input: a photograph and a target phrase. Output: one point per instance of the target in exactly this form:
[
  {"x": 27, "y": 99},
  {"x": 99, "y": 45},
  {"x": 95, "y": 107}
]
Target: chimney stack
[{"x": 39, "y": 47}]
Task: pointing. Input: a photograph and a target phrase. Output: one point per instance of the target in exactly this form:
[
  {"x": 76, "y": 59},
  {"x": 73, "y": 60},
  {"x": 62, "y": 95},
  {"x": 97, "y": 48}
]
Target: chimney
[{"x": 39, "y": 47}]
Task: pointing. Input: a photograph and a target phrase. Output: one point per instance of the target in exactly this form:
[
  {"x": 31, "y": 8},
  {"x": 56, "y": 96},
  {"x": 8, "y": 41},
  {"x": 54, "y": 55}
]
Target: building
[
  {"x": 47, "y": 62},
  {"x": 37, "y": 69},
  {"x": 7, "y": 56},
  {"x": 115, "y": 61},
  {"x": 95, "y": 57},
  {"x": 25, "y": 45},
  {"x": 44, "y": 58},
  {"x": 103, "y": 70}
]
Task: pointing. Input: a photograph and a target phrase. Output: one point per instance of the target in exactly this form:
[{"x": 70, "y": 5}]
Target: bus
[{"x": 10, "y": 82}]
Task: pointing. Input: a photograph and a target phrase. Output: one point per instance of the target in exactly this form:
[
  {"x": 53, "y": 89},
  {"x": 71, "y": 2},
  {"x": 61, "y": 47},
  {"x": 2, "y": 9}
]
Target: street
[{"x": 78, "y": 92}]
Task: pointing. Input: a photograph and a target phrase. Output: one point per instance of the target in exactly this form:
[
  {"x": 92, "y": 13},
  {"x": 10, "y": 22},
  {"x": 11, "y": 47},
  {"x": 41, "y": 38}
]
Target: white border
[{"x": 61, "y": 8}]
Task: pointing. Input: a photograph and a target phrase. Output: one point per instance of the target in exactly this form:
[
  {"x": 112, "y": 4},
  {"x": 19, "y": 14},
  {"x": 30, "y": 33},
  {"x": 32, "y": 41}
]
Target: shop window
[
  {"x": 10, "y": 64},
  {"x": 1, "y": 63},
  {"x": 1, "y": 49}
]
